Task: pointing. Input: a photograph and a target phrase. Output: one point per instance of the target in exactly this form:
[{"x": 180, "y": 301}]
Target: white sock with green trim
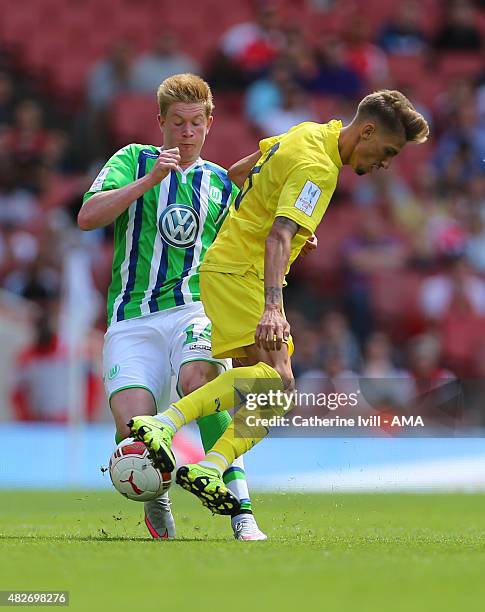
[
  {"x": 235, "y": 479},
  {"x": 165, "y": 420}
]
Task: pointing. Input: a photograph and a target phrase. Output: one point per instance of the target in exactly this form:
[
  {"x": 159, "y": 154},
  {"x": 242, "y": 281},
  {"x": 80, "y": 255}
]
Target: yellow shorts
[{"x": 234, "y": 303}]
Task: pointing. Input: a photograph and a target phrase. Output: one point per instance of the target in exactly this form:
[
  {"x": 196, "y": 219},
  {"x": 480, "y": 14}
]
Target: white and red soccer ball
[{"x": 133, "y": 474}]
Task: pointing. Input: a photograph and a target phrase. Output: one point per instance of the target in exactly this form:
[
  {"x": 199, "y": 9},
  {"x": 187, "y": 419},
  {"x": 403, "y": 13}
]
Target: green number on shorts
[{"x": 205, "y": 334}]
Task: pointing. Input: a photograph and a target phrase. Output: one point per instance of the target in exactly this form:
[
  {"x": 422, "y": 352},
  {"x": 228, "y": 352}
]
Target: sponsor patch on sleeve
[
  {"x": 308, "y": 198},
  {"x": 99, "y": 180}
]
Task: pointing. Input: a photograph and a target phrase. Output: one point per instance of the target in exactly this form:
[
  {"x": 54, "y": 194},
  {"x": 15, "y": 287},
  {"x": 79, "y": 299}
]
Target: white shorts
[{"x": 145, "y": 351}]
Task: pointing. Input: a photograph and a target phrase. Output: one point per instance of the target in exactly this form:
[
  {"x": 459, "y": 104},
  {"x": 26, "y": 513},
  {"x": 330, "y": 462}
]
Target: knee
[
  {"x": 192, "y": 378},
  {"x": 122, "y": 414},
  {"x": 186, "y": 386}
]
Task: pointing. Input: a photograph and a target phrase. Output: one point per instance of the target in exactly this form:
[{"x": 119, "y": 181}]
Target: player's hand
[
  {"x": 168, "y": 160},
  {"x": 309, "y": 246},
  {"x": 272, "y": 330}
]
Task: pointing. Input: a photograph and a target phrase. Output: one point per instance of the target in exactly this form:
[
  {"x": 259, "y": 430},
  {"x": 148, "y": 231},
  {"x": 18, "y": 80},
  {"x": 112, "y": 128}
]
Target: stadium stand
[{"x": 48, "y": 51}]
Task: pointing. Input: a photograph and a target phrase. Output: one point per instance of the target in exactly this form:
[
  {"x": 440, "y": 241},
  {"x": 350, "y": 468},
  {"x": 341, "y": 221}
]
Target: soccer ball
[{"x": 133, "y": 474}]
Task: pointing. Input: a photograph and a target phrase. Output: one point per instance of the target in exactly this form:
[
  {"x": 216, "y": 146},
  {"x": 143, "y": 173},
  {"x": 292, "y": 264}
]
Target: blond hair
[
  {"x": 187, "y": 88},
  {"x": 394, "y": 112}
]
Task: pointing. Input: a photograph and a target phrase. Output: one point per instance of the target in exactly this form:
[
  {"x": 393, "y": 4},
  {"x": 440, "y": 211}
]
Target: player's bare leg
[
  {"x": 124, "y": 404},
  {"x": 278, "y": 360}
]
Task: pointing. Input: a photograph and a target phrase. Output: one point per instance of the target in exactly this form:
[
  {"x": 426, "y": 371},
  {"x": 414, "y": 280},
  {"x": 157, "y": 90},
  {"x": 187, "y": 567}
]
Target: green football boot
[
  {"x": 208, "y": 486},
  {"x": 157, "y": 437}
]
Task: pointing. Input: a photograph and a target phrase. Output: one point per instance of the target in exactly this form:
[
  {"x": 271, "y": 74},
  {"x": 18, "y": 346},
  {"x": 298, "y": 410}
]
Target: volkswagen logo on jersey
[{"x": 179, "y": 226}]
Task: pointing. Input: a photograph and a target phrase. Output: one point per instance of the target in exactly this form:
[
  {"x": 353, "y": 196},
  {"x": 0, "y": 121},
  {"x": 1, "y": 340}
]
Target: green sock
[
  {"x": 118, "y": 438},
  {"x": 212, "y": 427}
]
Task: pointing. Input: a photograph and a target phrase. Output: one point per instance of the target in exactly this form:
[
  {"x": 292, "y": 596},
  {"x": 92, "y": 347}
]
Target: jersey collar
[
  {"x": 198, "y": 162},
  {"x": 331, "y": 146}
]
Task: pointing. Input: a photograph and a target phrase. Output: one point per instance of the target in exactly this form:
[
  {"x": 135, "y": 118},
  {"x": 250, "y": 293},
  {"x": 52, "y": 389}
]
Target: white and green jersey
[{"x": 161, "y": 239}]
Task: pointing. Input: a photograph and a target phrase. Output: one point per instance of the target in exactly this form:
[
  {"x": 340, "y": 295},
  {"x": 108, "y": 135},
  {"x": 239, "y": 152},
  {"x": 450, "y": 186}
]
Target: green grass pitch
[{"x": 326, "y": 552}]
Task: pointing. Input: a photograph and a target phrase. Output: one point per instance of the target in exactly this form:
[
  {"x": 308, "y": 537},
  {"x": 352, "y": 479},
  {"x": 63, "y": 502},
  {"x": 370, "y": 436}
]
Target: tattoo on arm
[
  {"x": 287, "y": 224},
  {"x": 273, "y": 296},
  {"x": 283, "y": 230}
]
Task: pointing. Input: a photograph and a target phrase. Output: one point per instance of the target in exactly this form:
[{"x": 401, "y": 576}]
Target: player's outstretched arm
[
  {"x": 239, "y": 171},
  {"x": 273, "y": 328},
  {"x": 104, "y": 207}
]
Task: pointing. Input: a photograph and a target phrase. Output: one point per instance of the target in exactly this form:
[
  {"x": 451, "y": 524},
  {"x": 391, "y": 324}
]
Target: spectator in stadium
[
  {"x": 108, "y": 78},
  {"x": 328, "y": 72},
  {"x": 370, "y": 251},
  {"x": 33, "y": 278},
  {"x": 166, "y": 58},
  {"x": 424, "y": 363},
  {"x": 18, "y": 206},
  {"x": 294, "y": 109},
  {"x": 412, "y": 206},
  {"x": 459, "y": 91},
  {"x": 304, "y": 333},
  {"x": 382, "y": 383},
  {"x": 308, "y": 359},
  {"x": 296, "y": 44},
  {"x": 337, "y": 336},
  {"x": 436, "y": 395},
  {"x": 27, "y": 142},
  {"x": 41, "y": 390},
  {"x": 461, "y": 147},
  {"x": 366, "y": 58},
  {"x": 338, "y": 377},
  {"x": 378, "y": 357},
  {"x": 55, "y": 154},
  {"x": 18, "y": 248},
  {"x": 441, "y": 232},
  {"x": 458, "y": 30},
  {"x": 456, "y": 288},
  {"x": 247, "y": 50},
  {"x": 403, "y": 34},
  {"x": 330, "y": 377},
  {"x": 111, "y": 76},
  {"x": 265, "y": 95},
  {"x": 461, "y": 320}
]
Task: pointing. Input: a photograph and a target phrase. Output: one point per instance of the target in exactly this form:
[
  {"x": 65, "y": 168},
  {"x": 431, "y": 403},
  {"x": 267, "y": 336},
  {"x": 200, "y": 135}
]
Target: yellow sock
[
  {"x": 222, "y": 393},
  {"x": 232, "y": 445},
  {"x": 242, "y": 434}
]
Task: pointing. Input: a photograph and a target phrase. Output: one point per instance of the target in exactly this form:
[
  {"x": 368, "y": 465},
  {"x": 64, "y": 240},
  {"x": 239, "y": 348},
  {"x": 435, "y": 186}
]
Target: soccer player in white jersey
[{"x": 167, "y": 205}]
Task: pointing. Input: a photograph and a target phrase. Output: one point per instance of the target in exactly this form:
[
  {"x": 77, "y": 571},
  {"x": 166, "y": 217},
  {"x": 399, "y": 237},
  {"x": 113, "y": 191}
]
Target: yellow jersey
[{"x": 295, "y": 178}]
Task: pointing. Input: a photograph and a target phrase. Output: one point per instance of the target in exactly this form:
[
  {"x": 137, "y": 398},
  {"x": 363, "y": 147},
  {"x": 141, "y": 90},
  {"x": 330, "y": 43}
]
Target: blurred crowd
[{"x": 398, "y": 282}]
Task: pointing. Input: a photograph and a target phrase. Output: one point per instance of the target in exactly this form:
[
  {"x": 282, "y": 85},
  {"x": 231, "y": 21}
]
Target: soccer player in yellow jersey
[{"x": 287, "y": 187}]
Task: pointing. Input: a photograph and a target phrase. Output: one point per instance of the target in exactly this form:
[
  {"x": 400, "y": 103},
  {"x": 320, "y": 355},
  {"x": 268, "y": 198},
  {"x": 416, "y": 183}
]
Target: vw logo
[{"x": 179, "y": 226}]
